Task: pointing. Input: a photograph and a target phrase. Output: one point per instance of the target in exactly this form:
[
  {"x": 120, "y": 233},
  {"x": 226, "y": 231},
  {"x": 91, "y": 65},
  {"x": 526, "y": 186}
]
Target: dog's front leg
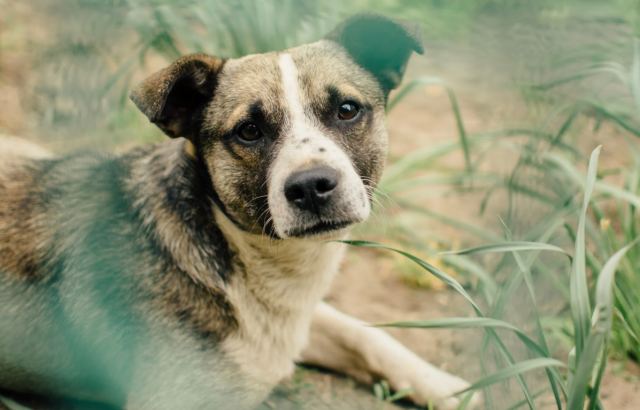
[{"x": 340, "y": 342}]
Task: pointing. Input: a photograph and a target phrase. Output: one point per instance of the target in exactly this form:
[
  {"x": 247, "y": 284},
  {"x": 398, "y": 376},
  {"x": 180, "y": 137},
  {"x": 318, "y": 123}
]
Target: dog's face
[{"x": 294, "y": 141}]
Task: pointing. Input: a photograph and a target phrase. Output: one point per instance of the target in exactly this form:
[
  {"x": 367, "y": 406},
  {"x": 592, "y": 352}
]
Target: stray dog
[{"x": 190, "y": 274}]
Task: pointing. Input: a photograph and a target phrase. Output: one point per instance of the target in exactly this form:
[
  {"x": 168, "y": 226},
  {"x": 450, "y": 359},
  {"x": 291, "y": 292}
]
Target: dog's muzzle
[
  {"x": 313, "y": 196},
  {"x": 318, "y": 201}
]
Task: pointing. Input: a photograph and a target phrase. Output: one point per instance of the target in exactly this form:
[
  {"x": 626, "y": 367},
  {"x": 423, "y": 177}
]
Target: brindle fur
[
  {"x": 122, "y": 278},
  {"x": 118, "y": 235}
]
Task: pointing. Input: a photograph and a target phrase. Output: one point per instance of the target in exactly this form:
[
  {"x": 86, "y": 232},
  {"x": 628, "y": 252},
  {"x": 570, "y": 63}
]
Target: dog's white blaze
[
  {"x": 305, "y": 144},
  {"x": 289, "y": 73}
]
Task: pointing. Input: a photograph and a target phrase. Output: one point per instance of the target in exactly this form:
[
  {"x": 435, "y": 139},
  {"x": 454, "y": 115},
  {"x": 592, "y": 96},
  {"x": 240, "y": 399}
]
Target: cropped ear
[
  {"x": 380, "y": 45},
  {"x": 174, "y": 98}
]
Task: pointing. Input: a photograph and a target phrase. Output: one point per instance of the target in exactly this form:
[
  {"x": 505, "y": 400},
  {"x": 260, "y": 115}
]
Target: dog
[{"x": 190, "y": 274}]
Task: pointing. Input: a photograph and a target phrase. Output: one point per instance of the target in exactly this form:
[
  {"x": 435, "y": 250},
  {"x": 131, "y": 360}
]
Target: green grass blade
[
  {"x": 599, "y": 187},
  {"x": 521, "y": 403},
  {"x": 470, "y": 323},
  {"x": 491, "y": 334},
  {"x": 412, "y": 86},
  {"x": 618, "y": 193},
  {"x": 604, "y": 285},
  {"x": 635, "y": 74},
  {"x": 478, "y": 231},
  {"x": 417, "y": 160},
  {"x": 580, "y": 305},
  {"x": 450, "y": 281},
  {"x": 584, "y": 370},
  {"x": 453, "y": 323},
  {"x": 455, "y": 107},
  {"x": 513, "y": 246},
  {"x": 511, "y": 371},
  {"x": 602, "y": 319},
  {"x": 594, "y": 401},
  {"x": 464, "y": 402},
  {"x": 628, "y": 328},
  {"x": 464, "y": 264},
  {"x": 525, "y": 269}
]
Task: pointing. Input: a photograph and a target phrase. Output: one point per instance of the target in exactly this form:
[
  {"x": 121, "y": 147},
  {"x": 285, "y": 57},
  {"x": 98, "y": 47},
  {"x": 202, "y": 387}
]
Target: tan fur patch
[{"x": 23, "y": 222}]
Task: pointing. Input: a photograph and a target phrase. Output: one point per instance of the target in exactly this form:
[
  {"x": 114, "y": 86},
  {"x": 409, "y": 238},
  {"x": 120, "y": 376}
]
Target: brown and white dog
[{"x": 190, "y": 274}]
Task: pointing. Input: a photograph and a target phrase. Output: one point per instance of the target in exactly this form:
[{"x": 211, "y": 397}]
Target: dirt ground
[{"x": 369, "y": 286}]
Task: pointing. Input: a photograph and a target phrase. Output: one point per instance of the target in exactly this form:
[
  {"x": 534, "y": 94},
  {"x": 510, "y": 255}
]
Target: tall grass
[
  {"x": 547, "y": 180},
  {"x": 573, "y": 381},
  {"x": 613, "y": 222},
  {"x": 602, "y": 285}
]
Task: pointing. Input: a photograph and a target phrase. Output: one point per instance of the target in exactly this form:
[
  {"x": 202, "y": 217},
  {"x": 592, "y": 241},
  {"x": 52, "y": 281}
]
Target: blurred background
[{"x": 491, "y": 134}]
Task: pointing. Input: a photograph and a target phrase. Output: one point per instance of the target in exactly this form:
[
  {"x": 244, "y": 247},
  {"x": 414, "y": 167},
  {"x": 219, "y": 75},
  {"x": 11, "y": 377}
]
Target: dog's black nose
[{"x": 311, "y": 189}]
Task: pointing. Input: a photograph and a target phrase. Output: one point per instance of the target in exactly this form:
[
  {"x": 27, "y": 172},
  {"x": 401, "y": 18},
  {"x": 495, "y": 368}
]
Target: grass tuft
[{"x": 585, "y": 366}]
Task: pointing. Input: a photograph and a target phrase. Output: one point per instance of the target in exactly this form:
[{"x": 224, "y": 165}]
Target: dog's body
[{"x": 189, "y": 274}]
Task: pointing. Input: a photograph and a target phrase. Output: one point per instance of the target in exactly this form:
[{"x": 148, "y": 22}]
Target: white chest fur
[{"x": 274, "y": 299}]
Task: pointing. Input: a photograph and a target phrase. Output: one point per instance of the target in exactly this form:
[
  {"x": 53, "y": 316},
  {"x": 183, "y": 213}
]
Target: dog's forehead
[
  {"x": 252, "y": 77},
  {"x": 309, "y": 58},
  {"x": 319, "y": 65},
  {"x": 326, "y": 64}
]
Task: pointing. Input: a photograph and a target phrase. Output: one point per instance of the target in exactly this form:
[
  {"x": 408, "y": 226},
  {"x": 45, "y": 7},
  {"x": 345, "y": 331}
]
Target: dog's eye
[
  {"x": 249, "y": 132},
  {"x": 348, "y": 110}
]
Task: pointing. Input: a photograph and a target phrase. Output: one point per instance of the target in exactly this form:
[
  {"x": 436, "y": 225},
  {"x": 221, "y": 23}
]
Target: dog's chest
[{"x": 274, "y": 298}]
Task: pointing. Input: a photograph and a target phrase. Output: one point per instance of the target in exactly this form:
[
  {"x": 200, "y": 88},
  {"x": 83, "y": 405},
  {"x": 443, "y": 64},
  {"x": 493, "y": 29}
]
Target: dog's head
[{"x": 294, "y": 141}]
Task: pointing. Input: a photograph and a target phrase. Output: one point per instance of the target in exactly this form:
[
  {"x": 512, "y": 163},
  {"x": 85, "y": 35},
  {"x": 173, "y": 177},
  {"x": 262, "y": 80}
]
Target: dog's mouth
[{"x": 319, "y": 228}]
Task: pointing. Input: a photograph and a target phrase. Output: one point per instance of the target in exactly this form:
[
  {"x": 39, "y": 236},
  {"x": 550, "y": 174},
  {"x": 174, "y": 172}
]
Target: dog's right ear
[{"x": 174, "y": 98}]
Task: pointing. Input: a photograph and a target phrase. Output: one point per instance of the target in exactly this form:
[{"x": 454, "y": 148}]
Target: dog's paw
[
  {"x": 428, "y": 385},
  {"x": 432, "y": 386},
  {"x": 378, "y": 355}
]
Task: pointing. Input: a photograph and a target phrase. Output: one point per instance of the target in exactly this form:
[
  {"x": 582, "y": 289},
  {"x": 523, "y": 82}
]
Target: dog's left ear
[
  {"x": 174, "y": 98},
  {"x": 380, "y": 45}
]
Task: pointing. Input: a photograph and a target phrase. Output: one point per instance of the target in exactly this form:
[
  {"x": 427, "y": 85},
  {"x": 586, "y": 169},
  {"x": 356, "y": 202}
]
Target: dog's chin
[{"x": 332, "y": 229}]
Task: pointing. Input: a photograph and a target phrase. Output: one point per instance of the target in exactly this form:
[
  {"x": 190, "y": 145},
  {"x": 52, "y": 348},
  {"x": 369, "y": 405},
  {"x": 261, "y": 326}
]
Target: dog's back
[
  {"x": 81, "y": 261},
  {"x": 41, "y": 351},
  {"x": 20, "y": 161},
  {"x": 27, "y": 308}
]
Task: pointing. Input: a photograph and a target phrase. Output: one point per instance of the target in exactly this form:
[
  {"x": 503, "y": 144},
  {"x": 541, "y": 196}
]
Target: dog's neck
[
  {"x": 287, "y": 275},
  {"x": 175, "y": 193},
  {"x": 275, "y": 292}
]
